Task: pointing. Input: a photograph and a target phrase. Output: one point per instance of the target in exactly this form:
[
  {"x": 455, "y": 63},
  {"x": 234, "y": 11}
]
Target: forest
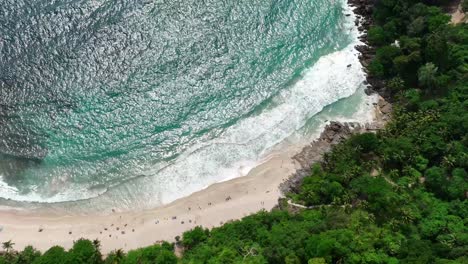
[{"x": 395, "y": 196}]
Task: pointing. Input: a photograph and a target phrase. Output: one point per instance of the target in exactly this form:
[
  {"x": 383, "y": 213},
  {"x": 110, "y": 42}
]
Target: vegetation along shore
[{"x": 395, "y": 195}]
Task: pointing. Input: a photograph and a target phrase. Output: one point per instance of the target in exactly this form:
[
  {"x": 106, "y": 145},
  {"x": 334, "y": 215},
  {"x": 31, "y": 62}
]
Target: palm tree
[
  {"x": 115, "y": 257},
  {"x": 97, "y": 253},
  {"x": 427, "y": 75},
  {"x": 8, "y": 246},
  {"x": 119, "y": 254},
  {"x": 97, "y": 244}
]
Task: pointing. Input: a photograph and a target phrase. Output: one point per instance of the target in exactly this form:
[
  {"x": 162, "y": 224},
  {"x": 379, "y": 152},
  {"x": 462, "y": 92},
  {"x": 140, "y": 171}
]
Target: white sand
[{"x": 256, "y": 191}]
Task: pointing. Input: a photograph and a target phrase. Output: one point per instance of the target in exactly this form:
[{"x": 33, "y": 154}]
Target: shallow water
[{"x": 151, "y": 100}]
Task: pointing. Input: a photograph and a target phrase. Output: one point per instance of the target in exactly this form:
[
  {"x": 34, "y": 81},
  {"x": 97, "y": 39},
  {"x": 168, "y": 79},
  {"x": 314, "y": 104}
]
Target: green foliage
[
  {"x": 437, "y": 50},
  {"x": 395, "y": 84},
  {"x": 458, "y": 184},
  {"x": 377, "y": 36},
  {"x": 84, "y": 251},
  {"x": 427, "y": 75},
  {"x": 55, "y": 255},
  {"x": 417, "y": 27},
  {"x": 398, "y": 196},
  {"x": 376, "y": 68},
  {"x": 28, "y": 255},
  {"x": 115, "y": 257},
  {"x": 194, "y": 237},
  {"x": 385, "y": 56},
  {"x": 148, "y": 255},
  {"x": 316, "y": 261},
  {"x": 437, "y": 19}
]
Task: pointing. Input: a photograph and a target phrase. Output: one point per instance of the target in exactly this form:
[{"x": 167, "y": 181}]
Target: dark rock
[
  {"x": 369, "y": 91},
  {"x": 333, "y": 133}
]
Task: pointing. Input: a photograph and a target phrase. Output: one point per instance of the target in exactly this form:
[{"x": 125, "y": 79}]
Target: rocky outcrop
[
  {"x": 334, "y": 133},
  {"x": 363, "y": 10}
]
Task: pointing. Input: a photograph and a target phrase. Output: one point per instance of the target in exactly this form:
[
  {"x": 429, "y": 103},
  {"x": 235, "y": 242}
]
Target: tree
[
  {"x": 385, "y": 55},
  {"x": 194, "y": 237},
  {"x": 166, "y": 257},
  {"x": 437, "y": 19},
  {"x": 437, "y": 50},
  {"x": 149, "y": 255},
  {"x": 397, "y": 152},
  {"x": 115, "y": 257},
  {"x": 225, "y": 255},
  {"x": 417, "y": 27},
  {"x": 292, "y": 259},
  {"x": 8, "y": 246},
  {"x": 376, "y": 68},
  {"x": 409, "y": 45},
  {"x": 28, "y": 255},
  {"x": 377, "y": 36},
  {"x": 427, "y": 75},
  {"x": 317, "y": 261},
  {"x": 84, "y": 251},
  {"x": 367, "y": 142},
  {"x": 55, "y": 255},
  {"x": 396, "y": 84},
  {"x": 416, "y": 251},
  {"x": 458, "y": 184},
  {"x": 436, "y": 180}
]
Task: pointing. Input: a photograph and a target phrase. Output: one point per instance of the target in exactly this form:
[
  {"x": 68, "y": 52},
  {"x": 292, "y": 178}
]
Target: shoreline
[
  {"x": 219, "y": 203},
  {"x": 210, "y": 207}
]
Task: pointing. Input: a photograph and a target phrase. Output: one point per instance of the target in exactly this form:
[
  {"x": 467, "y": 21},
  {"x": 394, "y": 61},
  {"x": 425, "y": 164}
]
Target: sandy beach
[{"x": 211, "y": 207}]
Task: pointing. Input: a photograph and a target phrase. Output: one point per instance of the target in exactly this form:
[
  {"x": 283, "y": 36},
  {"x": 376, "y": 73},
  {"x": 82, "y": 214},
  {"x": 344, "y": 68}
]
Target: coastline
[
  {"x": 221, "y": 202},
  {"x": 210, "y": 207}
]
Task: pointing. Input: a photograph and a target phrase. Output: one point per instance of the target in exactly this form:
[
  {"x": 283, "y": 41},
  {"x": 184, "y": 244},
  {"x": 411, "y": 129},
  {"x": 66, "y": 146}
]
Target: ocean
[{"x": 133, "y": 104}]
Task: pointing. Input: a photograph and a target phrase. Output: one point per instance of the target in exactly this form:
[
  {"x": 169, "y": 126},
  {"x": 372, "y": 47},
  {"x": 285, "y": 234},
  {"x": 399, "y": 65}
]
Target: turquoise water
[{"x": 157, "y": 99}]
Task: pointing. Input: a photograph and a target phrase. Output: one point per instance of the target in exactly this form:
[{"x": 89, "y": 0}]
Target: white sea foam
[
  {"x": 228, "y": 156},
  {"x": 239, "y": 149},
  {"x": 245, "y": 144}
]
